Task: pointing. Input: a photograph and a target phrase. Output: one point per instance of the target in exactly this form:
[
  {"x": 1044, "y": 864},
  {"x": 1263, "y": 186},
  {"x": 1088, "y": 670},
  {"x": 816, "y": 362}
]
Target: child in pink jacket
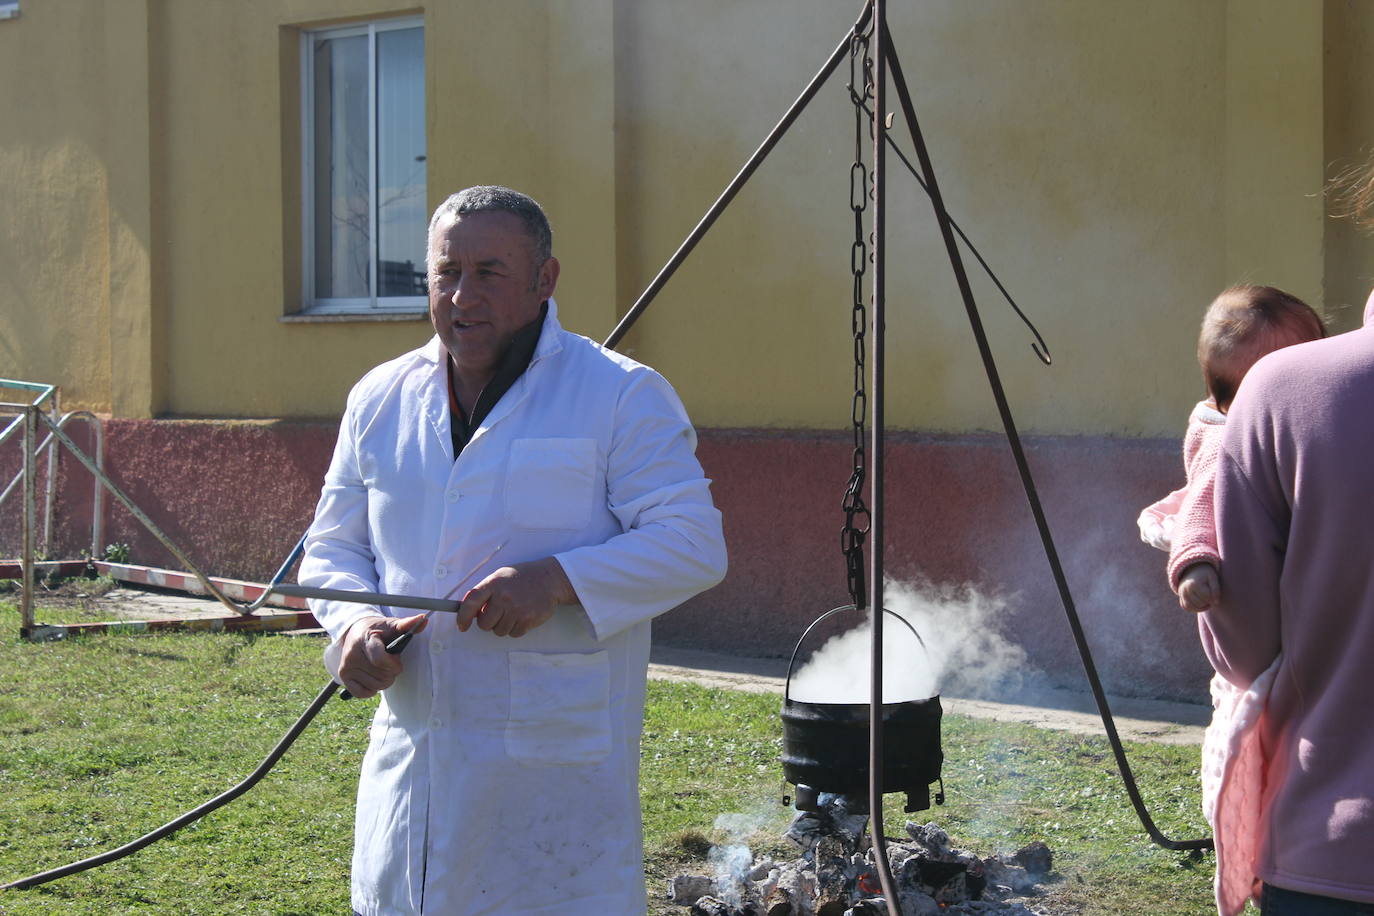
[{"x": 1241, "y": 325}]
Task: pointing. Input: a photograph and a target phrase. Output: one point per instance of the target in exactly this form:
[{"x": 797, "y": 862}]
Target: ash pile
[{"x": 835, "y": 875}]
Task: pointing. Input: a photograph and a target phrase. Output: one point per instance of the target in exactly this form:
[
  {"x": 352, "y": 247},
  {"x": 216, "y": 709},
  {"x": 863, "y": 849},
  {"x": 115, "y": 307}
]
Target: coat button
[
  {"x": 440, "y": 571},
  {"x": 453, "y": 496},
  {"x": 435, "y": 647},
  {"x": 436, "y": 722}
]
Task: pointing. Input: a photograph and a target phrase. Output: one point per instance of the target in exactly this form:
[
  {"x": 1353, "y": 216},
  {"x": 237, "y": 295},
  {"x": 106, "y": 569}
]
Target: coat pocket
[
  {"x": 559, "y": 708},
  {"x": 551, "y": 483}
]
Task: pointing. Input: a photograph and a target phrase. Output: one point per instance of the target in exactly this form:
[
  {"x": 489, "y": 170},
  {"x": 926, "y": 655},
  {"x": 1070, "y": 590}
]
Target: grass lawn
[{"x": 104, "y": 738}]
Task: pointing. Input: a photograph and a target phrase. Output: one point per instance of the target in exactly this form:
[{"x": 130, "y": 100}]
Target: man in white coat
[{"x": 557, "y": 483}]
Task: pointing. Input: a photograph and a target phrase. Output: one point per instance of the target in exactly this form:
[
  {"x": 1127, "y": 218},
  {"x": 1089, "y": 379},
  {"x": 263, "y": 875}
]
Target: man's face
[{"x": 483, "y": 287}]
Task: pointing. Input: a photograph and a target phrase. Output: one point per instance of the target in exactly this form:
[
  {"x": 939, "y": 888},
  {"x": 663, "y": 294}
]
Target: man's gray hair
[{"x": 494, "y": 198}]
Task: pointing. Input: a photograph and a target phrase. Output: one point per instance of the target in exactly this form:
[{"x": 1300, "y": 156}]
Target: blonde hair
[{"x": 1352, "y": 194}]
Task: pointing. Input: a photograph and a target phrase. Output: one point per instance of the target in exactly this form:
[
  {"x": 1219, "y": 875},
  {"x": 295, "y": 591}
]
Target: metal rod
[
  {"x": 18, "y": 480},
  {"x": 14, "y": 424},
  {"x": 274, "y": 585},
  {"x": 30, "y": 470},
  {"x": 1022, "y": 466},
  {"x": 696, "y": 235},
  {"x": 43, "y": 387},
  {"x": 50, "y": 490},
  {"x": 49, "y": 493},
  {"x": 875, "y": 579},
  {"x": 98, "y": 496},
  {"x": 379, "y": 599},
  {"x": 50, "y": 484},
  {"x": 1038, "y": 346}
]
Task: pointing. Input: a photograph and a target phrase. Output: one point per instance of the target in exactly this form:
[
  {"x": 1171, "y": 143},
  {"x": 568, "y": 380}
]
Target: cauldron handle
[{"x": 787, "y": 689}]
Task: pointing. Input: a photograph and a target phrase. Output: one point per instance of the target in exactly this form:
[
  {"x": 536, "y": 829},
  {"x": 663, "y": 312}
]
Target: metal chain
[{"x": 856, "y": 514}]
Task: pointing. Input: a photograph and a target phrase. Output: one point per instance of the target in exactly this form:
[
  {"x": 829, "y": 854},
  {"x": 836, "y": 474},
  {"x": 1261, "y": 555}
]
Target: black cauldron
[{"x": 825, "y": 745}]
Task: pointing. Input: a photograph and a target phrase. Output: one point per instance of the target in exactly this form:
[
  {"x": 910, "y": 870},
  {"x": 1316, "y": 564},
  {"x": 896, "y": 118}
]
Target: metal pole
[
  {"x": 875, "y": 579},
  {"x": 16, "y": 423},
  {"x": 50, "y": 485},
  {"x": 98, "y": 497},
  {"x": 30, "y": 520},
  {"x": 378, "y": 599}
]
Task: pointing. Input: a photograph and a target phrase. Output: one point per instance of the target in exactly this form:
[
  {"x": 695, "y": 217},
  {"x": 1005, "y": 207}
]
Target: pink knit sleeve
[
  {"x": 1156, "y": 521},
  {"x": 1195, "y": 528}
]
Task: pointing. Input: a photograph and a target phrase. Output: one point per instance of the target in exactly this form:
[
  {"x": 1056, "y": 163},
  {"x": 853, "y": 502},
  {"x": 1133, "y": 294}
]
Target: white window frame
[{"x": 372, "y": 305}]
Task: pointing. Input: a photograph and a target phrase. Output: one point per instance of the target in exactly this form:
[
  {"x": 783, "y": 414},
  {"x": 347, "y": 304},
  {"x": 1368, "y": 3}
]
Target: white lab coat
[{"x": 501, "y": 775}]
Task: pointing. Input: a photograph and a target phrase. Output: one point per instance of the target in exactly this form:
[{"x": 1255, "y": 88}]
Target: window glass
[
  {"x": 401, "y": 216},
  {"x": 365, "y": 167},
  {"x": 342, "y": 197}
]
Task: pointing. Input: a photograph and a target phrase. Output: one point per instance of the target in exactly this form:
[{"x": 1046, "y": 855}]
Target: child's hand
[{"x": 1199, "y": 588}]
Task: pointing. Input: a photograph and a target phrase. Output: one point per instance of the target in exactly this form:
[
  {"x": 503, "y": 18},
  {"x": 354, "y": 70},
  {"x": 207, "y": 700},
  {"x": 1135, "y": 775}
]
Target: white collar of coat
[{"x": 550, "y": 339}]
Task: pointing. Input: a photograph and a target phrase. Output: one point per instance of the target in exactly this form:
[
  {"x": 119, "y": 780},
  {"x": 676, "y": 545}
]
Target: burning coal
[
  {"x": 835, "y": 874},
  {"x": 964, "y": 654}
]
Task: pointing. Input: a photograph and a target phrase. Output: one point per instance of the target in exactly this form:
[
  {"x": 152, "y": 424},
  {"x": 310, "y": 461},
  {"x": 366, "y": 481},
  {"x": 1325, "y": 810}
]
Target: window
[
  {"x": 9, "y": 9},
  {"x": 363, "y": 179}
]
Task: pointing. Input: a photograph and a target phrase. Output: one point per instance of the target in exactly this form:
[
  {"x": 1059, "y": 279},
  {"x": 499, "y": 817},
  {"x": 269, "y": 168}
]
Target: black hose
[
  {"x": 394, "y": 648},
  {"x": 195, "y": 814}
]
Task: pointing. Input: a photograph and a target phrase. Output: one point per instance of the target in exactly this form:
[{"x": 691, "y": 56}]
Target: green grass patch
[
  {"x": 708, "y": 752},
  {"x": 103, "y": 738}
]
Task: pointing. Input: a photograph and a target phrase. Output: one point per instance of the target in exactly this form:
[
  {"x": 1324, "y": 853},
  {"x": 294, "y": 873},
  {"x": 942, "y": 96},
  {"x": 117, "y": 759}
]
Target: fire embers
[{"x": 835, "y": 875}]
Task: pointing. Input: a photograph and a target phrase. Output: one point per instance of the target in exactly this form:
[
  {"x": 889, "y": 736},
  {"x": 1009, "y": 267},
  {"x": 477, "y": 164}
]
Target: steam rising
[
  {"x": 733, "y": 860},
  {"x": 964, "y": 654}
]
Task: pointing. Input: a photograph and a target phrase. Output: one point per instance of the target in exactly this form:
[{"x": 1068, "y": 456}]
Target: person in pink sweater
[{"x": 1294, "y": 512}]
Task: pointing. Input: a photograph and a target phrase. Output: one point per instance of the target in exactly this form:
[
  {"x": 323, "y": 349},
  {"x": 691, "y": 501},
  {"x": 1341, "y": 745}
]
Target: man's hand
[
  {"x": 516, "y": 599},
  {"x": 1199, "y": 588},
  {"x": 365, "y": 667}
]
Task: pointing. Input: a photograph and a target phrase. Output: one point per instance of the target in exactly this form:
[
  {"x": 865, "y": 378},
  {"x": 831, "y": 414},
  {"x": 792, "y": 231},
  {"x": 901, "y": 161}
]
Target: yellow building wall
[
  {"x": 1089, "y": 149},
  {"x": 232, "y": 209},
  {"x": 74, "y": 204},
  {"x": 1117, "y": 164},
  {"x": 1348, "y": 33}
]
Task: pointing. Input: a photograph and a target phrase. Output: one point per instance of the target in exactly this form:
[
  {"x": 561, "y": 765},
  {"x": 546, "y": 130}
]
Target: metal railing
[
  {"x": 31, "y": 416},
  {"x": 50, "y": 489},
  {"x": 27, "y": 421}
]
